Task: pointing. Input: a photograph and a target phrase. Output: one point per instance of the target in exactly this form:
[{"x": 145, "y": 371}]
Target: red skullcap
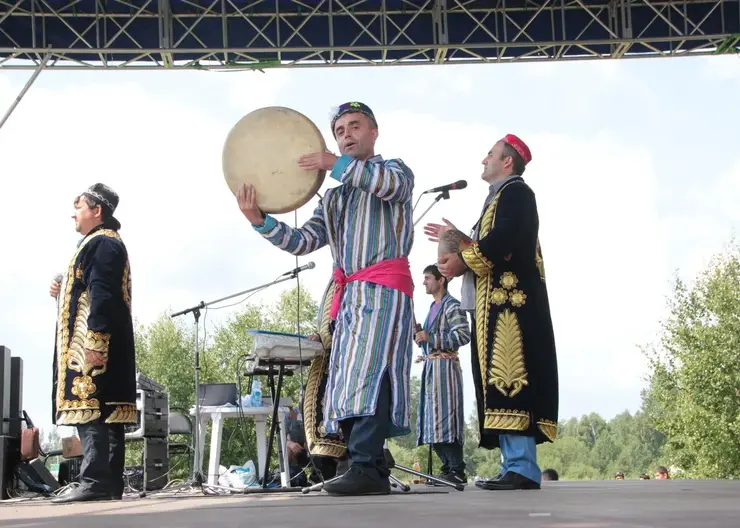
[{"x": 518, "y": 145}]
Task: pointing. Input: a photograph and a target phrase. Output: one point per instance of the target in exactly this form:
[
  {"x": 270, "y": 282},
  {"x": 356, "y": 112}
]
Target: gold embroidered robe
[
  {"x": 318, "y": 441},
  {"x": 94, "y": 312},
  {"x": 513, "y": 345}
]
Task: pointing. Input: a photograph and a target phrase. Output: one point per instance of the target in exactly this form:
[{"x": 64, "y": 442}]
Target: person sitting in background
[
  {"x": 299, "y": 462},
  {"x": 619, "y": 475},
  {"x": 550, "y": 474},
  {"x": 644, "y": 476}
]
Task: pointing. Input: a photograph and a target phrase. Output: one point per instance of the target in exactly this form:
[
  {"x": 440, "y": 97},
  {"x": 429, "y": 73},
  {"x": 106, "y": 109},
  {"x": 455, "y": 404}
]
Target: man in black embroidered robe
[
  {"x": 94, "y": 385},
  {"x": 513, "y": 346}
]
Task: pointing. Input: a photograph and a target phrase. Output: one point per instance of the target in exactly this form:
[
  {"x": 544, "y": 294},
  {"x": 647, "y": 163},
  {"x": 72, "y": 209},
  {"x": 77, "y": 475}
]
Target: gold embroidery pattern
[
  {"x": 549, "y": 429},
  {"x": 97, "y": 341},
  {"x": 123, "y": 414},
  {"x": 475, "y": 260},
  {"x": 517, "y": 298},
  {"x": 83, "y": 411},
  {"x": 508, "y": 373},
  {"x": 499, "y": 296},
  {"x": 126, "y": 286},
  {"x": 83, "y": 387},
  {"x": 508, "y": 280},
  {"x": 539, "y": 262},
  {"x": 320, "y": 446},
  {"x": 506, "y": 419},
  {"x": 78, "y": 272}
]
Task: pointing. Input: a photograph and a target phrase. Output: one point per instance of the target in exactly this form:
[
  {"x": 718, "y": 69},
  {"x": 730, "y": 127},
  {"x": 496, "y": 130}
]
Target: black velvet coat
[
  {"x": 95, "y": 314},
  {"x": 513, "y": 346}
]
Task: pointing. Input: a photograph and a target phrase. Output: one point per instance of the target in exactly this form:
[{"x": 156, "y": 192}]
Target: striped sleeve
[
  {"x": 307, "y": 239},
  {"x": 389, "y": 180},
  {"x": 454, "y": 333}
]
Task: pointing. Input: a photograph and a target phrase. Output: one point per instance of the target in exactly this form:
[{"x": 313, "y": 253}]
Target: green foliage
[
  {"x": 694, "y": 393},
  {"x": 588, "y": 448}
]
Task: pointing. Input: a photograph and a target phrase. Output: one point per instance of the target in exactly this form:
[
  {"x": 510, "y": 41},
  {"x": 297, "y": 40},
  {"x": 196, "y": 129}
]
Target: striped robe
[
  {"x": 366, "y": 220},
  {"x": 441, "y": 417}
]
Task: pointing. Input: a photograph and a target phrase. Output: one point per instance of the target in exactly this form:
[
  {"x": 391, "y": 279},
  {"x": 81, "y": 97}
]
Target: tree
[
  {"x": 165, "y": 354},
  {"x": 694, "y": 392}
]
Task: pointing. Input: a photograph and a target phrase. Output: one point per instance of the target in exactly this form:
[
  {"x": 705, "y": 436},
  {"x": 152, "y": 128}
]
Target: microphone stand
[
  {"x": 443, "y": 195},
  {"x": 197, "y": 476}
]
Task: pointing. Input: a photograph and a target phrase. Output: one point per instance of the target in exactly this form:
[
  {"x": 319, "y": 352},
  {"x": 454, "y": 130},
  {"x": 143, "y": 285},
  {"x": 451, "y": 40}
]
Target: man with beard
[{"x": 441, "y": 420}]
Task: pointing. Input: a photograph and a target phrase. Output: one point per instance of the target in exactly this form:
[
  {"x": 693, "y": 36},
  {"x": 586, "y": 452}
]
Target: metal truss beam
[{"x": 258, "y": 34}]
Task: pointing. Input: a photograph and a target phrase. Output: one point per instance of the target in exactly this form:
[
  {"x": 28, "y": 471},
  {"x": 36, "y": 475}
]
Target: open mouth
[{"x": 350, "y": 145}]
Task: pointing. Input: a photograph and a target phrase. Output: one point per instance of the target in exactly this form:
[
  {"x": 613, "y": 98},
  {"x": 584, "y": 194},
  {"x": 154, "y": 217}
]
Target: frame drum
[{"x": 263, "y": 149}]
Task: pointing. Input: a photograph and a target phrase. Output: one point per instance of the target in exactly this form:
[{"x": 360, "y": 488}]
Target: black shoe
[
  {"x": 80, "y": 494},
  {"x": 359, "y": 481},
  {"x": 509, "y": 481},
  {"x": 455, "y": 477}
]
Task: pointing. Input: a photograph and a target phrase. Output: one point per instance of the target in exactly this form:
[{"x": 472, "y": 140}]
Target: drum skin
[{"x": 263, "y": 148}]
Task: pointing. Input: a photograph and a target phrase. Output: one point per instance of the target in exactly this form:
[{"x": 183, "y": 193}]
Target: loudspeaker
[
  {"x": 16, "y": 396},
  {"x": 4, "y": 390},
  {"x": 156, "y": 463}
]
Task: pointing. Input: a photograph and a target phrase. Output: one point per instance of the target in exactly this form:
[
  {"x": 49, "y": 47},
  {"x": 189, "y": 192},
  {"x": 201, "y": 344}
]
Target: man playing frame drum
[{"x": 367, "y": 223}]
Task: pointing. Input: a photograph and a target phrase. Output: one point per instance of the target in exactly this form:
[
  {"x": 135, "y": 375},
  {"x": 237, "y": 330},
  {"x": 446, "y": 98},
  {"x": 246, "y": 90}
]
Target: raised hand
[
  {"x": 317, "y": 161},
  {"x": 246, "y": 196},
  {"x": 434, "y": 231}
]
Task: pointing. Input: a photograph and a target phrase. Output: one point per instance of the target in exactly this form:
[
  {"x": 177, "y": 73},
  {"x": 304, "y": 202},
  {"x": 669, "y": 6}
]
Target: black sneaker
[{"x": 455, "y": 477}]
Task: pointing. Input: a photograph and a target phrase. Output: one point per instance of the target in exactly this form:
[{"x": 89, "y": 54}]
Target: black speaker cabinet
[
  {"x": 16, "y": 395},
  {"x": 4, "y": 390}
]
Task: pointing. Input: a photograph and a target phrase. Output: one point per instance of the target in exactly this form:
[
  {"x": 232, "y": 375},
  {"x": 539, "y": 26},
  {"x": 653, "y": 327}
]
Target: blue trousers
[{"x": 519, "y": 455}]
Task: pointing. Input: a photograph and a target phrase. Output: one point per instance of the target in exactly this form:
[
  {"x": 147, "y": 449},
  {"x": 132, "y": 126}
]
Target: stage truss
[{"x": 258, "y": 34}]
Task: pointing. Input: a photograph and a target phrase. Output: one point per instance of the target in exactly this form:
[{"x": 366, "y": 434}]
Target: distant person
[
  {"x": 644, "y": 476},
  {"x": 441, "y": 418},
  {"x": 550, "y": 474},
  {"x": 619, "y": 475},
  {"x": 661, "y": 473}
]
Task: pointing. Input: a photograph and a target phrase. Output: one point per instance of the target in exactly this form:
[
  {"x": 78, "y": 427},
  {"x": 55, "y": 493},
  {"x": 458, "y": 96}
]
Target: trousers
[
  {"x": 367, "y": 434},
  {"x": 103, "y": 457},
  {"x": 519, "y": 455},
  {"x": 451, "y": 455}
]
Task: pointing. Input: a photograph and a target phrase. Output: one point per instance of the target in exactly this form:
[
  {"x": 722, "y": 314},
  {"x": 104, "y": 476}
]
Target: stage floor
[{"x": 606, "y": 504}]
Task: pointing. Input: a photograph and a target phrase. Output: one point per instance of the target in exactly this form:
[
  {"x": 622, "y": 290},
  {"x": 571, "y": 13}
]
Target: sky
[{"x": 635, "y": 170}]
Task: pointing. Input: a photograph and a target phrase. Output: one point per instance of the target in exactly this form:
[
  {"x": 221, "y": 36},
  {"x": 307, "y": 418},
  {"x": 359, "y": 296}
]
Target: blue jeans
[{"x": 519, "y": 454}]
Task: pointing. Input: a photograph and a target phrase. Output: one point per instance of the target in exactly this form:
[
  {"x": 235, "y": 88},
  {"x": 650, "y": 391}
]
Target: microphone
[
  {"x": 450, "y": 187},
  {"x": 299, "y": 269},
  {"x": 58, "y": 278}
]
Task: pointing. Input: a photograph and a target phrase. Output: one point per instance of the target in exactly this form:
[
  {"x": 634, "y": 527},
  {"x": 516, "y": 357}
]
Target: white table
[{"x": 217, "y": 414}]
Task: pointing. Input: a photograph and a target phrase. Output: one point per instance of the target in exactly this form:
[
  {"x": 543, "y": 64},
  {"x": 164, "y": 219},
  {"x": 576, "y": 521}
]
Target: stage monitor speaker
[
  {"x": 16, "y": 396},
  {"x": 4, "y": 390}
]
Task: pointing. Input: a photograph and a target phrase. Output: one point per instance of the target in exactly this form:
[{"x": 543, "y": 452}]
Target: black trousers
[
  {"x": 451, "y": 455},
  {"x": 103, "y": 457},
  {"x": 367, "y": 434}
]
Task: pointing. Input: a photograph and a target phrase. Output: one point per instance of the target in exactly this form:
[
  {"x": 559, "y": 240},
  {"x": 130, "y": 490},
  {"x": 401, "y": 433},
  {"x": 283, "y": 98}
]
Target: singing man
[
  {"x": 368, "y": 226},
  {"x": 441, "y": 419},
  {"x": 94, "y": 385}
]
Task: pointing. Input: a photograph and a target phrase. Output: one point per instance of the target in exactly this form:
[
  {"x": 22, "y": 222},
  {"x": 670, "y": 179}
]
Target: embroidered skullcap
[
  {"x": 108, "y": 200},
  {"x": 352, "y": 107},
  {"x": 518, "y": 145}
]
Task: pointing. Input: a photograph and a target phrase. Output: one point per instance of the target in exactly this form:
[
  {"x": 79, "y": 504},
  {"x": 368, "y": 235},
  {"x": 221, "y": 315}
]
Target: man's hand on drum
[
  {"x": 246, "y": 196},
  {"x": 434, "y": 231},
  {"x": 317, "y": 161}
]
